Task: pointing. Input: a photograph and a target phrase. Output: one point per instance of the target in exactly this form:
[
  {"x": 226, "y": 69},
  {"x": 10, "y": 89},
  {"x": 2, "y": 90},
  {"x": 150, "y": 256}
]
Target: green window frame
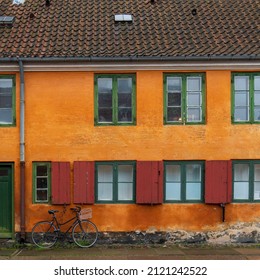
[
  {"x": 184, "y": 98},
  {"x": 184, "y": 181},
  {"x": 7, "y": 100},
  {"x": 115, "y": 182},
  {"x": 246, "y": 181},
  {"x": 41, "y": 182},
  {"x": 115, "y": 96},
  {"x": 245, "y": 89}
]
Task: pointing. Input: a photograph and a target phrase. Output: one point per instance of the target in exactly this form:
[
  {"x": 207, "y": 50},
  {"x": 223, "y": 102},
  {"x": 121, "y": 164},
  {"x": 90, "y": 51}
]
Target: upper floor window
[
  {"x": 246, "y": 97},
  {"x": 184, "y": 181},
  {"x": 115, "y": 99},
  {"x": 115, "y": 182},
  {"x": 246, "y": 181},
  {"x": 7, "y": 100},
  {"x": 184, "y": 98}
]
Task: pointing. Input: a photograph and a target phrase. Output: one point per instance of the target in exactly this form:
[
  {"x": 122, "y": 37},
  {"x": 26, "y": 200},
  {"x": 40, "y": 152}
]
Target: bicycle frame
[{"x": 58, "y": 225}]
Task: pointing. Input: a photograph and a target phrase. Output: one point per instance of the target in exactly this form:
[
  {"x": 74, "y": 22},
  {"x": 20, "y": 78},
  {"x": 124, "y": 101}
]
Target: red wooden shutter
[
  {"x": 60, "y": 182},
  {"x": 84, "y": 182},
  {"x": 218, "y": 181},
  {"x": 149, "y": 182}
]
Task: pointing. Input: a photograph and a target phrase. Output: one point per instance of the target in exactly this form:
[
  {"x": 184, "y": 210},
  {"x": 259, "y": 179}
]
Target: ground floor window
[
  {"x": 246, "y": 181},
  {"x": 184, "y": 181},
  {"x": 115, "y": 182},
  {"x": 41, "y": 182}
]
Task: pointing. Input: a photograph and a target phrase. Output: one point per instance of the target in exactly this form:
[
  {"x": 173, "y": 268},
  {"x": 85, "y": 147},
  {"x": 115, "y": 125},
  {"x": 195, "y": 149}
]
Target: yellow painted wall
[
  {"x": 60, "y": 123},
  {"x": 60, "y": 127}
]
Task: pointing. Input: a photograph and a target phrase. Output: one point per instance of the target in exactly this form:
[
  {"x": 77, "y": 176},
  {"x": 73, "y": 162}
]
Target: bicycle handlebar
[{"x": 76, "y": 209}]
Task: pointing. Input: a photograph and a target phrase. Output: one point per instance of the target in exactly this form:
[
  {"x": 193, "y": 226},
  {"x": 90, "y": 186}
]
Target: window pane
[
  {"x": 257, "y": 105},
  {"x": 257, "y": 172},
  {"x": 105, "y": 173},
  {"x": 173, "y": 173},
  {"x": 174, "y": 114},
  {"x": 174, "y": 99},
  {"x": 105, "y": 85},
  {"x": 193, "y": 191},
  {"x": 6, "y": 116},
  {"x": 242, "y": 83},
  {"x": 125, "y": 191},
  {"x": 257, "y": 182},
  {"x": 125, "y": 173},
  {"x": 41, "y": 183},
  {"x": 41, "y": 195},
  {"x": 194, "y": 99},
  {"x": 42, "y": 170},
  {"x": 242, "y": 114},
  {"x": 125, "y": 100},
  {"x": 6, "y": 86},
  {"x": 257, "y": 98},
  {"x": 193, "y": 173},
  {"x": 105, "y": 100},
  {"x": 257, "y": 83},
  {"x": 125, "y": 115},
  {"x": 105, "y": 114},
  {"x": 241, "y": 190},
  {"x": 193, "y": 84},
  {"x": 242, "y": 98},
  {"x": 257, "y": 191},
  {"x": 124, "y": 85},
  {"x": 105, "y": 111},
  {"x": 173, "y": 191},
  {"x": 105, "y": 191},
  {"x": 194, "y": 114},
  {"x": 241, "y": 172},
  {"x": 5, "y": 83},
  {"x": 5, "y": 101},
  {"x": 257, "y": 113},
  {"x": 173, "y": 84}
]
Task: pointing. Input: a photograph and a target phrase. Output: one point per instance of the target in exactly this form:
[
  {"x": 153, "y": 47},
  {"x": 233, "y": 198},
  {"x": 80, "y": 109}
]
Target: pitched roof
[{"x": 160, "y": 29}]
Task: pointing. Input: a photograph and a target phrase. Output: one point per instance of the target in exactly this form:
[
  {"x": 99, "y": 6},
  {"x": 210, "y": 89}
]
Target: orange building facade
[{"x": 60, "y": 127}]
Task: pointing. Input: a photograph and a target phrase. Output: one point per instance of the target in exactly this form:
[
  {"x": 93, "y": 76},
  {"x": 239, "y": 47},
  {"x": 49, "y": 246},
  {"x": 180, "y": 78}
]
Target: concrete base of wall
[{"x": 234, "y": 234}]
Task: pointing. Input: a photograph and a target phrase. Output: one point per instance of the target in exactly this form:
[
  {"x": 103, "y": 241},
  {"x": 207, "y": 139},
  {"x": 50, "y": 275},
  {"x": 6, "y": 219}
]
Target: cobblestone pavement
[{"x": 132, "y": 252}]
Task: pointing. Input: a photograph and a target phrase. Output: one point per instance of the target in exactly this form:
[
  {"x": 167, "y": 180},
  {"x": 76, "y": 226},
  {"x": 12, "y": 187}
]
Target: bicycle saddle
[{"x": 53, "y": 211}]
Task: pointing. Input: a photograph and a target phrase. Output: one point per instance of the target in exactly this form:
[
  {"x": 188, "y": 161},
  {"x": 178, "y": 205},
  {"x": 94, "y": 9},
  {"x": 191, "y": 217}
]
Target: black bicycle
[{"x": 84, "y": 232}]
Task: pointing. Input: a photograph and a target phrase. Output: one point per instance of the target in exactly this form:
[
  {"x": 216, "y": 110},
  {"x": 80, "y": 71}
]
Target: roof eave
[{"x": 134, "y": 58}]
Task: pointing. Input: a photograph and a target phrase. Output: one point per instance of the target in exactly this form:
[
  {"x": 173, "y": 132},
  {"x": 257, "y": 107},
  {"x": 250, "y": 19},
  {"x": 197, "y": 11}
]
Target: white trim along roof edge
[{"x": 57, "y": 66}]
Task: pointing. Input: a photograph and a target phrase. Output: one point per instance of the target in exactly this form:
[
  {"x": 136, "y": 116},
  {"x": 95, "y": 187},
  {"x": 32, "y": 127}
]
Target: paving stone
[
  {"x": 248, "y": 251},
  {"x": 169, "y": 251},
  {"x": 125, "y": 252},
  {"x": 7, "y": 252}
]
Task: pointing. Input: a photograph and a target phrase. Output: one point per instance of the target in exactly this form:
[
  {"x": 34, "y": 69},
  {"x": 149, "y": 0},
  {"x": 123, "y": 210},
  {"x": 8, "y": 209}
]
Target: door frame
[{"x": 10, "y": 165}]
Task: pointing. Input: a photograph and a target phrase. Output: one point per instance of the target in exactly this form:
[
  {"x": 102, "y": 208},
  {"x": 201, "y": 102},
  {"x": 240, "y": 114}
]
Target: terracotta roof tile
[{"x": 167, "y": 28}]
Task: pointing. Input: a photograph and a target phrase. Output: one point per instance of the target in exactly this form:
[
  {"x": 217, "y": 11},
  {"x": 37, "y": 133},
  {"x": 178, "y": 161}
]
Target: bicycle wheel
[
  {"x": 44, "y": 234},
  {"x": 85, "y": 233}
]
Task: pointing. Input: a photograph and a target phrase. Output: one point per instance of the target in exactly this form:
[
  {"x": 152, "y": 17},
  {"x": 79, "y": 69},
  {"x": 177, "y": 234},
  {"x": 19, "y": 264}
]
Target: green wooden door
[{"x": 5, "y": 201}]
